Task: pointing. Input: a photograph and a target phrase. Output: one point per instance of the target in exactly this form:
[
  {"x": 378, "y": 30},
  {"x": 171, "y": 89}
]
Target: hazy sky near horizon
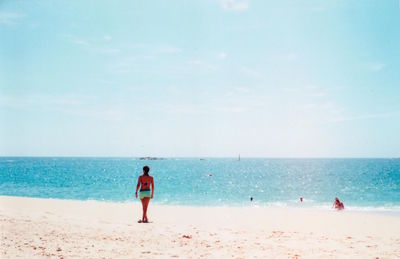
[{"x": 200, "y": 78}]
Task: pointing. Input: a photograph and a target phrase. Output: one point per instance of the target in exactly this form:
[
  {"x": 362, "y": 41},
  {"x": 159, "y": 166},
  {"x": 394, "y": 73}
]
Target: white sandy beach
[{"x": 78, "y": 229}]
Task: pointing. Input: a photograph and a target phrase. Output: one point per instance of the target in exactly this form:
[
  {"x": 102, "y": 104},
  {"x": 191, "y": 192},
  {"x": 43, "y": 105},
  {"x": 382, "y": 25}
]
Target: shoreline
[
  {"x": 35, "y": 227},
  {"x": 381, "y": 210}
]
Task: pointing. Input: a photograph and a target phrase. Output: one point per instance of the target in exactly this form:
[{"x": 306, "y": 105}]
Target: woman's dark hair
[{"x": 146, "y": 170}]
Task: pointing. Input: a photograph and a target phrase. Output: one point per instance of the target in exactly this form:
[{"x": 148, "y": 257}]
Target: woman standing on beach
[{"x": 144, "y": 182}]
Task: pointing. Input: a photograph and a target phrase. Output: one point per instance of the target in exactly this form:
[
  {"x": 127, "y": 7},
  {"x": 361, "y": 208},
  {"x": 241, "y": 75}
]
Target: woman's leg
[
  {"x": 143, "y": 206},
  {"x": 146, "y": 201}
]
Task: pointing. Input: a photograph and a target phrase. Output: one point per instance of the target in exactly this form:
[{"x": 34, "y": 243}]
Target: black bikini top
[{"x": 143, "y": 183}]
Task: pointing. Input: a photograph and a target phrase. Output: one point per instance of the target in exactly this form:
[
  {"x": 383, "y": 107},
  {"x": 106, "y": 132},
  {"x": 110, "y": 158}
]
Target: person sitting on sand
[
  {"x": 144, "y": 183},
  {"x": 337, "y": 204}
]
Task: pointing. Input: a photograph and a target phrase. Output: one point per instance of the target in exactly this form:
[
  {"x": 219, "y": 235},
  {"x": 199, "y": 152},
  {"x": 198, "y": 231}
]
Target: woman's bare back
[{"x": 145, "y": 182}]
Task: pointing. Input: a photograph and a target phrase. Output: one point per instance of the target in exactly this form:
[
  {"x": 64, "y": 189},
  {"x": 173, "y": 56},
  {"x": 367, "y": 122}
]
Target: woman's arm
[
  {"x": 152, "y": 187},
  {"x": 137, "y": 186}
]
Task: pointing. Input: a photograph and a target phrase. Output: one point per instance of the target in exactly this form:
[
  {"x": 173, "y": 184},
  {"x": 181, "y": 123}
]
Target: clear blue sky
[{"x": 200, "y": 78}]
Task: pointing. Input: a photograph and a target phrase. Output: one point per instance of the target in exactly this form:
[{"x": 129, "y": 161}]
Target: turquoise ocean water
[{"x": 362, "y": 184}]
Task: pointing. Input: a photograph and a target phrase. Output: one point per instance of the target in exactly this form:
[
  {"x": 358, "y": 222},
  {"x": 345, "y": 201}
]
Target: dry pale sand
[{"x": 71, "y": 229}]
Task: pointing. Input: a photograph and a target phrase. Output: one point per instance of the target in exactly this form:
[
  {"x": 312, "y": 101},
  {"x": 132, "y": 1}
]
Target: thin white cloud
[
  {"x": 317, "y": 94},
  {"x": 76, "y": 40},
  {"x": 317, "y": 9},
  {"x": 94, "y": 44},
  {"x": 153, "y": 49},
  {"x": 222, "y": 55},
  {"x": 80, "y": 42},
  {"x": 244, "y": 98},
  {"x": 242, "y": 90},
  {"x": 39, "y": 101},
  {"x": 10, "y": 18},
  {"x": 315, "y": 102},
  {"x": 239, "y": 99},
  {"x": 306, "y": 91},
  {"x": 75, "y": 105},
  {"x": 107, "y": 37},
  {"x": 363, "y": 117},
  {"x": 376, "y": 67},
  {"x": 230, "y": 109},
  {"x": 310, "y": 106},
  {"x": 252, "y": 72},
  {"x": 105, "y": 114},
  {"x": 202, "y": 65},
  {"x": 334, "y": 114},
  {"x": 185, "y": 109},
  {"x": 108, "y": 50},
  {"x": 235, "y": 5},
  {"x": 290, "y": 56},
  {"x": 168, "y": 50},
  {"x": 291, "y": 89},
  {"x": 125, "y": 65},
  {"x": 195, "y": 62}
]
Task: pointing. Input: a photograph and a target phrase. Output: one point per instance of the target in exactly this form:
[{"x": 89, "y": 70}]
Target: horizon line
[{"x": 203, "y": 157}]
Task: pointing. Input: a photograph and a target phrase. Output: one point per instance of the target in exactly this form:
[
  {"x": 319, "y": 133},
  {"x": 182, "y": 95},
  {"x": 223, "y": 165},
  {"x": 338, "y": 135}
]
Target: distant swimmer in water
[
  {"x": 210, "y": 174},
  {"x": 301, "y": 199},
  {"x": 251, "y": 199},
  {"x": 337, "y": 204}
]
